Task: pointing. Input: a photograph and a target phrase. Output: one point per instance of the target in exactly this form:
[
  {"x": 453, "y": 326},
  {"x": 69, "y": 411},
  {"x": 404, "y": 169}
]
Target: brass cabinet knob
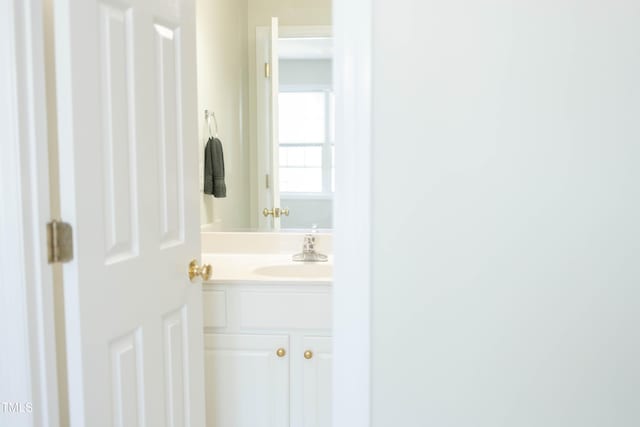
[
  {"x": 308, "y": 354},
  {"x": 281, "y": 352},
  {"x": 266, "y": 212},
  {"x": 195, "y": 270},
  {"x": 284, "y": 211}
]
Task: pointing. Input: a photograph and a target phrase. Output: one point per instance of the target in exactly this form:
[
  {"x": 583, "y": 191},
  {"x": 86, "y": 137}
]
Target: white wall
[
  {"x": 223, "y": 88},
  {"x": 307, "y": 212},
  {"x": 505, "y": 213}
]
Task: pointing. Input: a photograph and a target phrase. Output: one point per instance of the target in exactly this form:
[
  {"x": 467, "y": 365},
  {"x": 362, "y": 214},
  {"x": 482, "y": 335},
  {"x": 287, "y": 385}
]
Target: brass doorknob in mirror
[
  {"x": 275, "y": 212},
  {"x": 281, "y": 352},
  {"x": 308, "y": 354},
  {"x": 195, "y": 270}
]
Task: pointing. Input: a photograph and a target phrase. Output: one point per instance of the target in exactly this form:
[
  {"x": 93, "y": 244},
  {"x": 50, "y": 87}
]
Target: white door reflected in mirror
[{"x": 298, "y": 139}]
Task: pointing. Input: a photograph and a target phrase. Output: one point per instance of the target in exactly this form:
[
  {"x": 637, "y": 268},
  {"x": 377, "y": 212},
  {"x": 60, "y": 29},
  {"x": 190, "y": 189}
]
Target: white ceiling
[{"x": 305, "y": 48}]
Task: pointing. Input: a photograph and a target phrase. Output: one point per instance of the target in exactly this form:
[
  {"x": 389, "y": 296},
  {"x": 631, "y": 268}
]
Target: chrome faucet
[{"x": 309, "y": 253}]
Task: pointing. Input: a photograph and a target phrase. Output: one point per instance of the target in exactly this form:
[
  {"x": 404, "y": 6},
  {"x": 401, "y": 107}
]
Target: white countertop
[{"x": 266, "y": 268}]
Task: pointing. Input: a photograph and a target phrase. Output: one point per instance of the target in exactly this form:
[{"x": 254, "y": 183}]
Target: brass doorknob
[
  {"x": 308, "y": 354},
  {"x": 275, "y": 212},
  {"x": 195, "y": 270},
  {"x": 281, "y": 352}
]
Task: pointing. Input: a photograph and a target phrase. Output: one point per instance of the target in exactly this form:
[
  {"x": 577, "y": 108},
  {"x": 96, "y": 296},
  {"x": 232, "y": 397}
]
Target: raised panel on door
[
  {"x": 176, "y": 368},
  {"x": 316, "y": 382},
  {"x": 118, "y": 129},
  {"x": 247, "y": 383},
  {"x": 127, "y": 385},
  {"x": 168, "y": 123}
]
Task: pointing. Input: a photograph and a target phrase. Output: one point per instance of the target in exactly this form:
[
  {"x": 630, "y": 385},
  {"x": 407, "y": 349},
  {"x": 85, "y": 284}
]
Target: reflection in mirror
[
  {"x": 268, "y": 84},
  {"x": 305, "y": 124}
]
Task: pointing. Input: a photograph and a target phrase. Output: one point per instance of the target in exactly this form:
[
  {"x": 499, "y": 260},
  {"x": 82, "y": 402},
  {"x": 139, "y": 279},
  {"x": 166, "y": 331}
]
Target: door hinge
[
  {"x": 266, "y": 180},
  {"x": 267, "y": 70},
  {"x": 59, "y": 242}
]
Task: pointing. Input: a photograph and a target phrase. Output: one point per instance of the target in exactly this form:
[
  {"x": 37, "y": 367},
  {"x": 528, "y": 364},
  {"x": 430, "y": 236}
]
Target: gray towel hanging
[{"x": 214, "y": 169}]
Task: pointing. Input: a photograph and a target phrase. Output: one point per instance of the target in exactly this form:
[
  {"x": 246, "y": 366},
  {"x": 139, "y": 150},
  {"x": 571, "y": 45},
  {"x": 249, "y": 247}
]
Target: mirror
[{"x": 268, "y": 93}]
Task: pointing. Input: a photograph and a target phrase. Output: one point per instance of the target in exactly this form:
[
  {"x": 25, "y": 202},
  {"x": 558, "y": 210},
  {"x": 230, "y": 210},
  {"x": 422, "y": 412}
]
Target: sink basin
[{"x": 306, "y": 271}]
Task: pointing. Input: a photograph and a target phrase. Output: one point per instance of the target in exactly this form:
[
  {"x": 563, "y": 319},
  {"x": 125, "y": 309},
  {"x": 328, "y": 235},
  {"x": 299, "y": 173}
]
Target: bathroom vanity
[{"x": 267, "y": 335}]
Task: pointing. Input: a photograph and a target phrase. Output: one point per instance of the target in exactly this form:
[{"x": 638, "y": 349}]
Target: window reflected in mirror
[{"x": 306, "y": 132}]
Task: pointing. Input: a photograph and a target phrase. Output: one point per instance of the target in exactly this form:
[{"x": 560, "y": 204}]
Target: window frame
[{"x": 327, "y": 145}]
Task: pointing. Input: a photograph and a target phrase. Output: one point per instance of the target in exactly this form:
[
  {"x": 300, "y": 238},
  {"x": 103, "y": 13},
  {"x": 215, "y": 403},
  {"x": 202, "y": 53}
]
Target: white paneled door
[
  {"x": 274, "y": 60},
  {"x": 126, "y": 92}
]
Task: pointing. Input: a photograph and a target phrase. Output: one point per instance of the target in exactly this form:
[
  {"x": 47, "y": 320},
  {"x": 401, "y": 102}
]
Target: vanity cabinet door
[
  {"x": 316, "y": 381},
  {"x": 247, "y": 380}
]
